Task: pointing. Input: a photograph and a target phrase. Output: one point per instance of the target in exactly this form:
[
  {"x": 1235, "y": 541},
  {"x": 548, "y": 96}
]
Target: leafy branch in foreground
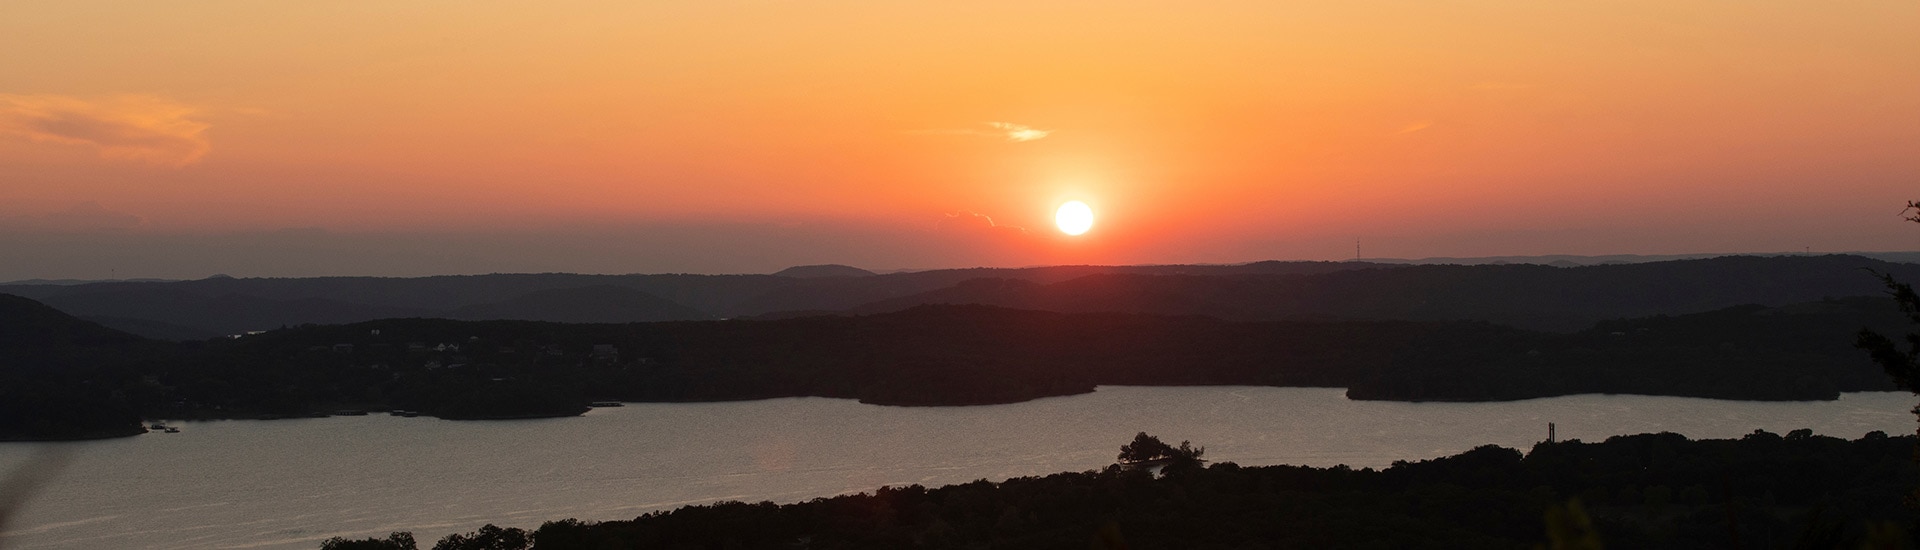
[{"x": 1902, "y": 365}]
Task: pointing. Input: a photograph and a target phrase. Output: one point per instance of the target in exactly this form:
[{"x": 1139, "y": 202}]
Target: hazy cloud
[
  {"x": 86, "y": 217},
  {"x": 1492, "y": 86},
  {"x": 1006, "y": 130},
  {"x": 1415, "y": 127},
  {"x": 1019, "y": 132},
  {"x": 142, "y": 128}
]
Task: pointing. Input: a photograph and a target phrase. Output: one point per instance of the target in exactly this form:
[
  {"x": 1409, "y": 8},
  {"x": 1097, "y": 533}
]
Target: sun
[{"x": 1074, "y": 218}]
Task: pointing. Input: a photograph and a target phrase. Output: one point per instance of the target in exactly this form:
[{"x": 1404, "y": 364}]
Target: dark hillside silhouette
[
  {"x": 1526, "y": 296},
  {"x": 927, "y": 355},
  {"x": 231, "y": 306},
  {"x": 595, "y": 304},
  {"x": 847, "y": 295},
  {"x": 34, "y": 336},
  {"x": 822, "y": 271},
  {"x": 58, "y": 374},
  {"x": 226, "y": 305},
  {"x": 157, "y": 330},
  {"x": 137, "y": 306}
]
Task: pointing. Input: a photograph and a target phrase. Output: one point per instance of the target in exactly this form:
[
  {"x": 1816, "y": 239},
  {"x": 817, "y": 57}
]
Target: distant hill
[
  {"x": 1575, "y": 260},
  {"x": 170, "y": 305},
  {"x": 590, "y": 304},
  {"x": 1524, "y": 295},
  {"x": 823, "y": 271},
  {"x": 66, "y": 282},
  {"x": 58, "y": 374},
  {"x": 62, "y": 377},
  {"x": 157, "y": 330},
  {"x": 34, "y": 336},
  {"x": 851, "y": 294},
  {"x": 969, "y": 354},
  {"x": 1527, "y": 296},
  {"x": 224, "y": 306}
]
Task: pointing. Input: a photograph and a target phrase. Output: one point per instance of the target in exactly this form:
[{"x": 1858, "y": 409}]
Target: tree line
[
  {"x": 1643, "y": 491},
  {"x": 928, "y": 355}
]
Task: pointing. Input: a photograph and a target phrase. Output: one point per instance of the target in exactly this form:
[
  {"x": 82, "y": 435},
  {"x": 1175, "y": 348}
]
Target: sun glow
[{"x": 1074, "y": 218}]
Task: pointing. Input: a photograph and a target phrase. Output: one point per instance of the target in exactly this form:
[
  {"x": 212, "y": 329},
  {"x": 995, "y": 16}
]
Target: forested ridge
[
  {"x": 927, "y": 355},
  {"x": 1530, "y": 296}
]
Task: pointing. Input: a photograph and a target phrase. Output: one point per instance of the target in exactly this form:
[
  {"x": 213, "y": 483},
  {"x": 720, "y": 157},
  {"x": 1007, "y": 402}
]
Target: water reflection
[{"x": 292, "y": 483}]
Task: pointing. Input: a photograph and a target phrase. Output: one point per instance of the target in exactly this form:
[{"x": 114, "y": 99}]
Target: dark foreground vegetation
[
  {"x": 1642, "y": 491},
  {"x": 67, "y": 378}
]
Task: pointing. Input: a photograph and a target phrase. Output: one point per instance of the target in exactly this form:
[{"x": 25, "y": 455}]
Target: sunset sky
[{"x": 182, "y": 138}]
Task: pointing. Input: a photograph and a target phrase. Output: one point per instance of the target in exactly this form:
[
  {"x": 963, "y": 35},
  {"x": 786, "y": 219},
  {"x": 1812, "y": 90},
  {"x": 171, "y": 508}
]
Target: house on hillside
[{"x": 606, "y": 352}]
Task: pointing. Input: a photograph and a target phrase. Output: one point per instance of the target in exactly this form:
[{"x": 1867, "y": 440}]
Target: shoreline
[{"x": 538, "y": 416}]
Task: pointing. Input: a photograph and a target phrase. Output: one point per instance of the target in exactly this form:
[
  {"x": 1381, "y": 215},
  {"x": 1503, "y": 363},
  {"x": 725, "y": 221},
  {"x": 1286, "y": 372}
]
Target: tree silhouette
[
  {"x": 398, "y": 540},
  {"x": 1147, "y": 448},
  {"x": 1901, "y": 364},
  {"x": 489, "y": 537}
]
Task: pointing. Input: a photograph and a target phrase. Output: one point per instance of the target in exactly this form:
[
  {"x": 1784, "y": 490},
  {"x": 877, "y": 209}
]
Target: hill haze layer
[{"x": 1523, "y": 295}]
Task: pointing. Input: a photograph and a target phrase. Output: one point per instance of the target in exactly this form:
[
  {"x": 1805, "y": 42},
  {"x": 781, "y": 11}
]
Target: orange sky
[{"x": 1237, "y": 131}]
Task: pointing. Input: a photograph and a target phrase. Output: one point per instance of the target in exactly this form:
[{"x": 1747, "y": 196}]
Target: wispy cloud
[
  {"x": 1496, "y": 86},
  {"x": 1006, "y": 130},
  {"x": 132, "y": 127},
  {"x": 1415, "y": 127},
  {"x": 1019, "y": 132},
  {"x": 83, "y": 217},
  {"x": 970, "y": 221}
]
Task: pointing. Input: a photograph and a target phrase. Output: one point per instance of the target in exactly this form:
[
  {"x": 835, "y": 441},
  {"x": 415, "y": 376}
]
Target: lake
[{"x": 292, "y": 483}]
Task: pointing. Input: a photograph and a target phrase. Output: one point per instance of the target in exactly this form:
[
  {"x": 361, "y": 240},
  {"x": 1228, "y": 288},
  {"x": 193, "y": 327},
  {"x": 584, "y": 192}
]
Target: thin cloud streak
[
  {"x": 1415, "y": 127},
  {"x": 85, "y": 217},
  {"x": 970, "y": 221},
  {"x": 130, "y": 127},
  {"x": 1499, "y": 86},
  {"x": 1019, "y": 132},
  {"x": 1007, "y": 130}
]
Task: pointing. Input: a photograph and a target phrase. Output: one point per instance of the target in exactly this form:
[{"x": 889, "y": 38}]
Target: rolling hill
[{"x": 1529, "y": 296}]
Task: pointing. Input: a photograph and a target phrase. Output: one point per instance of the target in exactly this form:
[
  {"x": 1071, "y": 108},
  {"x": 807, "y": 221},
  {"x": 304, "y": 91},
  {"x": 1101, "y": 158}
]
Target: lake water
[{"x": 293, "y": 483}]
